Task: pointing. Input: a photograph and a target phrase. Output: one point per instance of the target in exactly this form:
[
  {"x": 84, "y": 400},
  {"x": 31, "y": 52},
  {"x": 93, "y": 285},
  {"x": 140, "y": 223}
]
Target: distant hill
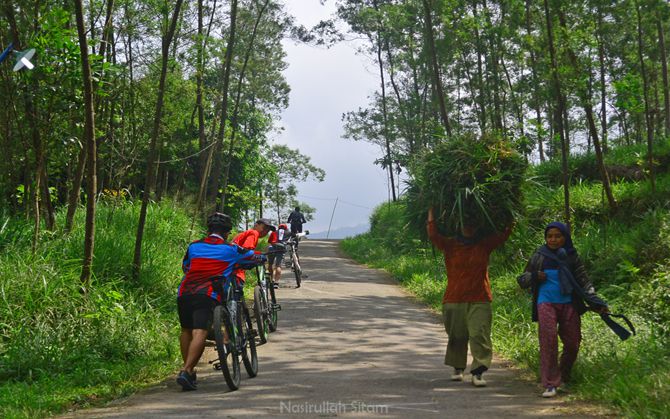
[{"x": 341, "y": 233}]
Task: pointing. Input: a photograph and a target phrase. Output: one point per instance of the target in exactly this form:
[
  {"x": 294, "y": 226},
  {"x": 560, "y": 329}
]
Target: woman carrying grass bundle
[
  {"x": 552, "y": 274},
  {"x": 466, "y": 305}
]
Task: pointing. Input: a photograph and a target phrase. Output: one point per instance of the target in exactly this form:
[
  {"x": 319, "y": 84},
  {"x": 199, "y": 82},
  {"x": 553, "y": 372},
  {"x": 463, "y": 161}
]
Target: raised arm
[
  {"x": 434, "y": 235},
  {"x": 497, "y": 240}
]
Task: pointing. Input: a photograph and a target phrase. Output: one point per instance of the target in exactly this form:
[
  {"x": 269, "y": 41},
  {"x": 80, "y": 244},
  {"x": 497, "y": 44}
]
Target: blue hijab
[{"x": 568, "y": 246}]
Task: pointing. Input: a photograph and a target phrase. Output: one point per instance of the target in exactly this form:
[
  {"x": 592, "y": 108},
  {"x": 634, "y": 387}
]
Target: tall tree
[
  {"x": 437, "y": 80},
  {"x": 153, "y": 147},
  {"x": 217, "y": 165},
  {"x": 89, "y": 138},
  {"x": 559, "y": 109},
  {"x": 662, "y": 10},
  {"x": 585, "y": 98},
  {"x": 649, "y": 119}
]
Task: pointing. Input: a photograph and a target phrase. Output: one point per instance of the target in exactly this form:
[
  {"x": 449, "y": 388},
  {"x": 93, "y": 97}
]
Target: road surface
[{"x": 350, "y": 342}]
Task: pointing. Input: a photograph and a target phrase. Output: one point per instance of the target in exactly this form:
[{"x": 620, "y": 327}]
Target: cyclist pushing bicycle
[
  {"x": 277, "y": 241},
  {"x": 206, "y": 261},
  {"x": 249, "y": 240}
]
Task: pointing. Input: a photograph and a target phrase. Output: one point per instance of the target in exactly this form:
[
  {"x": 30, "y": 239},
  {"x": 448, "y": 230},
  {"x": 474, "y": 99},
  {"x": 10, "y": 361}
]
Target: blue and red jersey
[{"x": 210, "y": 258}]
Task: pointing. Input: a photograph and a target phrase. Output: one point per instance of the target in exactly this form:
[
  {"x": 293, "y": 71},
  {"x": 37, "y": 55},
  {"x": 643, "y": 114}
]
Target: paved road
[{"x": 350, "y": 343}]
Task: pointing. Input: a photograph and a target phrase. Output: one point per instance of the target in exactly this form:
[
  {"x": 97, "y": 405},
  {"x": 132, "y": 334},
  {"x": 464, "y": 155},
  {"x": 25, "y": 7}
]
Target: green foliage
[
  {"x": 468, "y": 181},
  {"x": 78, "y": 347}
]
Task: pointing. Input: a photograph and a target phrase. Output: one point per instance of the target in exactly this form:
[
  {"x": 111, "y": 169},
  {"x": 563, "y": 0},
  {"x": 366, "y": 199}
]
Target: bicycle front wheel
[
  {"x": 261, "y": 314},
  {"x": 249, "y": 355},
  {"x": 229, "y": 358}
]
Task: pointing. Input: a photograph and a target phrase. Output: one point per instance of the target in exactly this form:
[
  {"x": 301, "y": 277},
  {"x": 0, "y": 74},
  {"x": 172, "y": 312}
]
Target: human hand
[
  {"x": 602, "y": 310},
  {"x": 541, "y": 276}
]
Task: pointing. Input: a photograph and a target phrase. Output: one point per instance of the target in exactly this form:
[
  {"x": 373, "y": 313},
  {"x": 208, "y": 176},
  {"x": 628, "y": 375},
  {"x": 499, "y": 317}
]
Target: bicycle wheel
[
  {"x": 229, "y": 359},
  {"x": 261, "y": 314},
  {"x": 273, "y": 307},
  {"x": 296, "y": 269},
  {"x": 249, "y": 355}
]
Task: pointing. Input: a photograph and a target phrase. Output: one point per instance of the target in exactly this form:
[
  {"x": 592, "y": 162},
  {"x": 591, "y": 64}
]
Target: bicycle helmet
[
  {"x": 219, "y": 222},
  {"x": 283, "y": 226}
]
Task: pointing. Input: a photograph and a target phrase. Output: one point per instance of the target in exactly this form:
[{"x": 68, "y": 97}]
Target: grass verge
[{"x": 61, "y": 349}]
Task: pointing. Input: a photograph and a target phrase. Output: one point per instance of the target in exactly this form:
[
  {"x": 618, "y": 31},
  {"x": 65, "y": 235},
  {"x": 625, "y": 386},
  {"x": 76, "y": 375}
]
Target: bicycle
[
  {"x": 265, "y": 305},
  {"x": 293, "y": 260},
  {"x": 241, "y": 335}
]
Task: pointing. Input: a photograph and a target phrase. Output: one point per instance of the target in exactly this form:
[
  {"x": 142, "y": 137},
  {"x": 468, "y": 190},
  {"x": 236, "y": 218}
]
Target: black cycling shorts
[
  {"x": 275, "y": 259},
  {"x": 195, "y": 311}
]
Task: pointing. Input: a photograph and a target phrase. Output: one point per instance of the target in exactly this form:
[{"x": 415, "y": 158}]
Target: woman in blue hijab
[{"x": 557, "y": 305}]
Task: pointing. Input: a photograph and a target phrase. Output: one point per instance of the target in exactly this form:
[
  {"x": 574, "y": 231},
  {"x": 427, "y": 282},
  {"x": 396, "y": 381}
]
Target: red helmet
[{"x": 283, "y": 226}]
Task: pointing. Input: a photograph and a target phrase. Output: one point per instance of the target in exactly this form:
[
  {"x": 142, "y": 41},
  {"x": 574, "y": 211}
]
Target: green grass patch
[{"x": 60, "y": 348}]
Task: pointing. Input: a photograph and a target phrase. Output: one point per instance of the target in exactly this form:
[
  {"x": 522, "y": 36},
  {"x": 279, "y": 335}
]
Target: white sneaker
[
  {"x": 478, "y": 381},
  {"x": 549, "y": 392},
  {"x": 457, "y": 375}
]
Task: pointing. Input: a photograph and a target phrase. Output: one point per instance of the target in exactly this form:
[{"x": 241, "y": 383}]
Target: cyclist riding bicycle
[
  {"x": 206, "y": 260},
  {"x": 277, "y": 241},
  {"x": 296, "y": 219}
]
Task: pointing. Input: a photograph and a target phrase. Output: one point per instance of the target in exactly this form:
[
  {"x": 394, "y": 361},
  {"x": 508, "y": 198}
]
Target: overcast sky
[{"x": 325, "y": 83}]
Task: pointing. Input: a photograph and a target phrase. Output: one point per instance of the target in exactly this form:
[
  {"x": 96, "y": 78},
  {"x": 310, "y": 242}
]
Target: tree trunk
[
  {"x": 437, "y": 81},
  {"x": 407, "y": 131},
  {"x": 49, "y": 212},
  {"x": 200, "y": 69},
  {"x": 585, "y": 99},
  {"x": 387, "y": 140},
  {"x": 89, "y": 138},
  {"x": 649, "y": 120},
  {"x": 536, "y": 84},
  {"x": 481, "y": 99},
  {"x": 73, "y": 196},
  {"x": 32, "y": 117},
  {"x": 664, "y": 68},
  {"x": 603, "y": 85},
  {"x": 559, "y": 111},
  {"x": 153, "y": 148},
  {"x": 218, "y": 147},
  {"x": 249, "y": 50},
  {"x": 496, "y": 50}
]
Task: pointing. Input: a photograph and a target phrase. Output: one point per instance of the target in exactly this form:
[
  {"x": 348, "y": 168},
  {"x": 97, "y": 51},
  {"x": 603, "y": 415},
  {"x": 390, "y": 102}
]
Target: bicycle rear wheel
[
  {"x": 229, "y": 358},
  {"x": 261, "y": 314},
  {"x": 249, "y": 355},
  {"x": 296, "y": 269},
  {"x": 273, "y": 307}
]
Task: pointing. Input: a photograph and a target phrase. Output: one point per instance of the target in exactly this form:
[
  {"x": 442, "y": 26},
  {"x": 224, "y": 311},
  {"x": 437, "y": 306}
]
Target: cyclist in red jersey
[
  {"x": 277, "y": 241},
  {"x": 249, "y": 240}
]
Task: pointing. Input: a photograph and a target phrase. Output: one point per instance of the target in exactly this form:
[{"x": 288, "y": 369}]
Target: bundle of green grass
[{"x": 468, "y": 181}]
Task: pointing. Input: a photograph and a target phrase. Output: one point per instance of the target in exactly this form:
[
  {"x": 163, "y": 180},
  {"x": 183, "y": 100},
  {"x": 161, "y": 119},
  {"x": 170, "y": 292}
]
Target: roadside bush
[{"x": 72, "y": 346}]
